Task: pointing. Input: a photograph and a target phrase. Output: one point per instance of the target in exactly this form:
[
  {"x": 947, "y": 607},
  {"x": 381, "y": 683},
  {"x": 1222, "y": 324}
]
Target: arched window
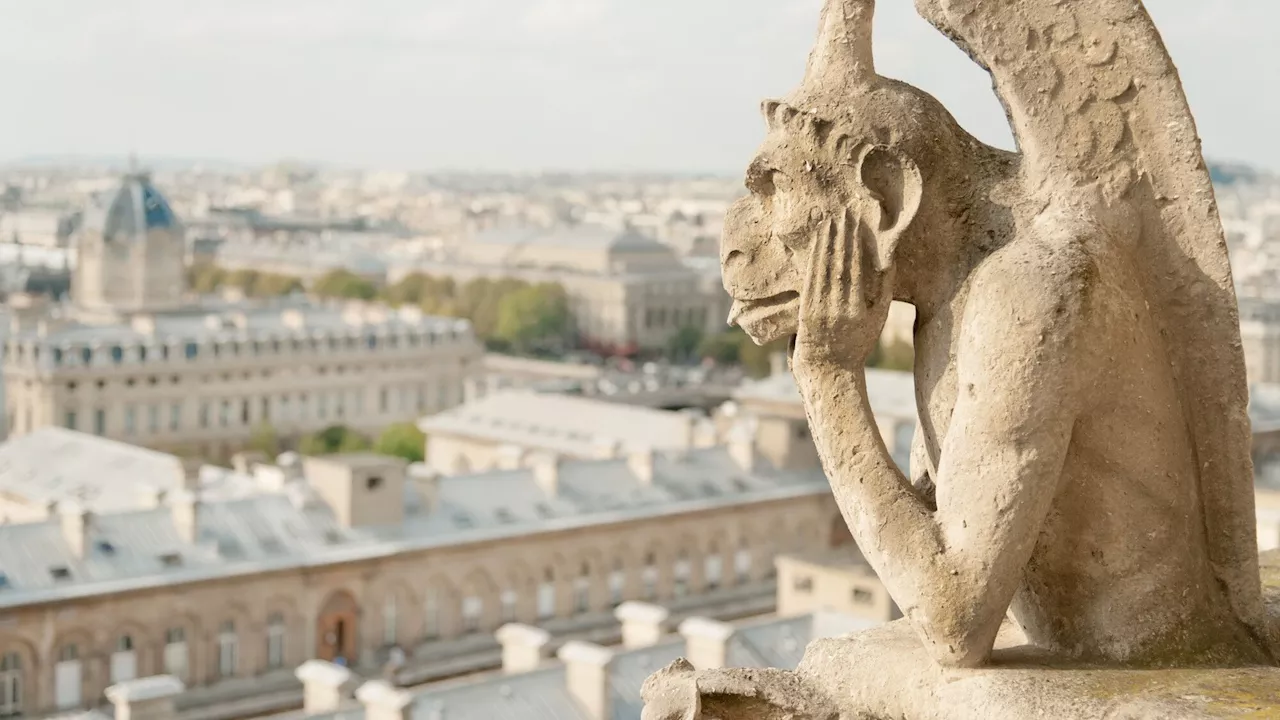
[
  {"x": 124, "y": 661},
  {"x": 275, "y": 641},
  {"x": 509, "y": 599},
  {"x": 547, "y": 595},
  {"x": 582, "y": 590},
  {"x": 228, "y": 650},
  {"x": 742, "y": 563},
  {"x": 175, "y": 652},
  {"x": 390, "y": 621},
  {"x": 10, "y": 684},
  {"x": 650, "y": 577},
  {"x": 617, "y": 583},
  {"x": 67, "y": 678},
  {"x": 713, "y": 567},
  {"x": 682, "y": 572},
  {"x": 472, "y": 612}
]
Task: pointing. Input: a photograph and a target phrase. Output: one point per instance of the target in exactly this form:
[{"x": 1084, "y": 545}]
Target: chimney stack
[
  {"x": 382, "y": 701},
  {"x": 77, "y": 525},
  {"x": 706, "y": 642},
  {"x": 324, "y": 686},
  {"x": 742, "y": 448},
  {"x": 641, "y": 464},
  {"x": 586, "y": 670},
  {"x": 642, "y": 623},
  {"x": 523, "y": 647},
  {"x": 546, "y": 472},
  {"x": 149, "y": 698},
  {"x": 185, "y": 507}
]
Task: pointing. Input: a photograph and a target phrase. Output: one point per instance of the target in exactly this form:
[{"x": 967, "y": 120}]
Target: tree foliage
[
  {"x": 506, "y": 313},
  {"x": 333, "y": 439},
  {"x": 534, "y": 318},
  {"x": 206, "y": 278},
  {"x": 344, "y": 284},
  {"x": 264, "y": 439},
  {"x": 734, "y": 347},
  {"x": 893, "y": 355},
  {"x": 403, "y": 440},
  {"x": 685, "y": 344}
]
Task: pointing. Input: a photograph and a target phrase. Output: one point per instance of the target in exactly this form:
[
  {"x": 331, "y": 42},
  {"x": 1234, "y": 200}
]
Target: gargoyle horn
[{"x": 843, "y": 51}]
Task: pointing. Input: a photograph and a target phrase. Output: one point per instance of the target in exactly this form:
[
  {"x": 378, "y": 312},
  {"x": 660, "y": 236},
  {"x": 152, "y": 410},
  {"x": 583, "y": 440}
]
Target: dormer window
[
  {"x": 106, "y": 548},
  {"x": 60, "y": 572},
  {"x": 373, "y": 482},
  {"x": 171, "y": 560}
]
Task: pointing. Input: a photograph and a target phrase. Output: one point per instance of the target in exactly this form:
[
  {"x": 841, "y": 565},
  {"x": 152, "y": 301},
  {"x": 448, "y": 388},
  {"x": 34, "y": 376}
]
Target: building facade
[
  {"x": 344, "y": 559},
  {"x": 205, "y": 380},
  {"x": 132, "y": 359},
  {"x": 626, "y": 291}
]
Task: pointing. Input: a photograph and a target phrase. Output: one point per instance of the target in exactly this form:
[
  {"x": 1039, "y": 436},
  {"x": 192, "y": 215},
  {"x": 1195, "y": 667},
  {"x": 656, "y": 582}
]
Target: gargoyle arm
[{"x": 954, "y": 570}]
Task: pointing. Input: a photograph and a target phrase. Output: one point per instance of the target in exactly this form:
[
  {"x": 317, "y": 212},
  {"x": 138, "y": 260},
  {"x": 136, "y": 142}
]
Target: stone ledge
[{"x": 884, "y": 673}]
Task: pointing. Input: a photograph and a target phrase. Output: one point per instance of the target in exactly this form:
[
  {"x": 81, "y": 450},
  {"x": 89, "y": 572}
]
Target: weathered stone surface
[
  {"x": 1082, "y": 462},
  {"x": 886, "y": 673}
]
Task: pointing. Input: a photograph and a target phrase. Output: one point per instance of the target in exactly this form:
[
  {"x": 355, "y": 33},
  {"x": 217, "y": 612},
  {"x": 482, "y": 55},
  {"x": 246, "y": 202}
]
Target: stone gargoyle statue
[{"x": 1082, "y": 463}]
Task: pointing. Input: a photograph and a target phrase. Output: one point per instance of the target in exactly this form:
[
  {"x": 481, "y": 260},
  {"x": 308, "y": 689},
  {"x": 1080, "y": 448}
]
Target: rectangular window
[
  {"x": 224, "y": 414},
  {"x": 70, "y": 421},
  {"x": 153, "y": 419},
  {"x": 682, "y": 577},
  {"x": 130, "y": 419},
  {"x": 204, "y": 415},
  {"x": 382, "y": 400},
  {"x": 99, "y": 422},
  {"x": 175, "y": 417}
]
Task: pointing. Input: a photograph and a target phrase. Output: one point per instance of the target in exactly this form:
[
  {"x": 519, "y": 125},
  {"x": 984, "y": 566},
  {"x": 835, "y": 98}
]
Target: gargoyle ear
[{"x": 894, "y": 183}]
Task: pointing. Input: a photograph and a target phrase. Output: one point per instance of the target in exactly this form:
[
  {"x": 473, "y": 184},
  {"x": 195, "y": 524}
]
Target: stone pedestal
[{"x": 886, "y": 673}]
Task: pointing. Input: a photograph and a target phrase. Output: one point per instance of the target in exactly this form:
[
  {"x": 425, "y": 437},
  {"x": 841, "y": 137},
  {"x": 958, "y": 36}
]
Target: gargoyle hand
[{"x": 845, "y": 301}]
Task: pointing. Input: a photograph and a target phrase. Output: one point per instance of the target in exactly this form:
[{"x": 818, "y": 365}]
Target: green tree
[
  {"x": 403, "y": 440},
  {"x": 724, "y": 348},
  {"x": 344, "y": 284},
  {"x": 205, "y": 278},
  {"x": 264, "y": 439},
  {"x": 534, "y": 317},
  {"x": 684, "y": 344},
  {"x": 333, "y": 439},
  {"x": 894, "y": 355}
]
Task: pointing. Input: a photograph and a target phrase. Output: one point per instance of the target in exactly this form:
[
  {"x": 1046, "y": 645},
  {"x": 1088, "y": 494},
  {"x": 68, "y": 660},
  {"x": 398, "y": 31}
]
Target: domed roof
[{"x": 130, "y": 210}]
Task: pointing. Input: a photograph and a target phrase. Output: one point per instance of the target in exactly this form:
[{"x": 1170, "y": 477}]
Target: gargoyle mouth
[{"x": 748, "y": 311}]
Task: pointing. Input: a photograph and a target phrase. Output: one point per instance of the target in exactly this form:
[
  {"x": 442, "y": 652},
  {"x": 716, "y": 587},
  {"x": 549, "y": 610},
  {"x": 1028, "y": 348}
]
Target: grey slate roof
[
  {"x": 218, "y": 321},
  {"x": 57, "y": 465},
  {"x": 243, "y": 533},
  {"x": 891, "y": 393},
  {"x": 543, "y": 695},
  {"x": 562, "y": 423}
]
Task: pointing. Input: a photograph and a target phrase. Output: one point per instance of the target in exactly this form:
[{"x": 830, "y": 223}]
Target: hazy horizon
[{"x": 495, "y": 85}]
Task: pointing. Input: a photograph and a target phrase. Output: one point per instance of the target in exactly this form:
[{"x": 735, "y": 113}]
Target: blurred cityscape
[{"x": 294, "y": 441}]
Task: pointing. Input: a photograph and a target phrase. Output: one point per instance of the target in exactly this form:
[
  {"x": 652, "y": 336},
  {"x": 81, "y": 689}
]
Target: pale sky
[{"x": 516, "y": 84}]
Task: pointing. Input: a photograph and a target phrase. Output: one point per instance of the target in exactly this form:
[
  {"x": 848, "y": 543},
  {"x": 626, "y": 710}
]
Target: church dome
[{"x": 130, "y": 210}]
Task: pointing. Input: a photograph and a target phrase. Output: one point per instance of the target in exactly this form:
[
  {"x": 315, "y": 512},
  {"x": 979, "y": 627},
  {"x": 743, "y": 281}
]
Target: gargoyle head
[{"x": 846, "y": 140}]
